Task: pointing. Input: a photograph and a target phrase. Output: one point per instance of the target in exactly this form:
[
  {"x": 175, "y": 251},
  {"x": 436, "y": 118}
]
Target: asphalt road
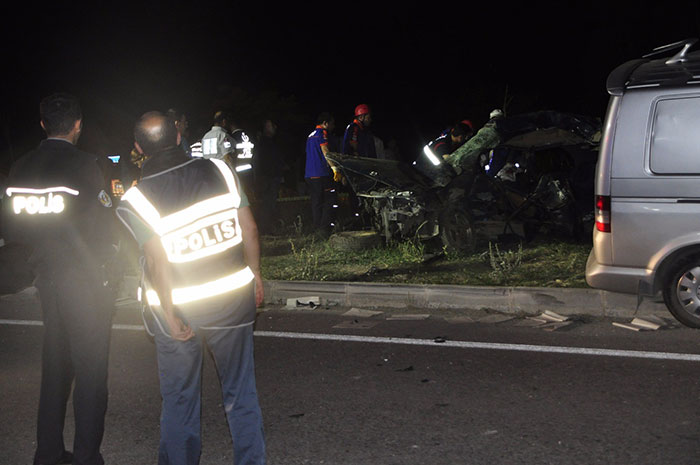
[{"x": 390, "y": 391}]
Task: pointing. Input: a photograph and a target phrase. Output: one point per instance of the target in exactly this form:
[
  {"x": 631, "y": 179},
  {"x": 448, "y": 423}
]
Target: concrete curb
[
  {"x": 446, "y": 297},
  {"x": 513, "y": 300}
]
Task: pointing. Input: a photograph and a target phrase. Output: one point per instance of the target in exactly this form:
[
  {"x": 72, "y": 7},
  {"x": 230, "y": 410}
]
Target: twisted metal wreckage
[{"x": 522, "y": 175}]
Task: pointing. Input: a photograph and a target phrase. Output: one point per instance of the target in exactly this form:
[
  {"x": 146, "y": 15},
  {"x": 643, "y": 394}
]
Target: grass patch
[{"x": 539, "y": 263}]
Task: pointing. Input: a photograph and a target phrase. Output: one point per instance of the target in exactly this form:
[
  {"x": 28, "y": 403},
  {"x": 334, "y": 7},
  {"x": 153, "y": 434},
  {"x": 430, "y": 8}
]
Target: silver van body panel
[
  {"x": 653, "y": 215},
  {"x": 616, "y": 278}
]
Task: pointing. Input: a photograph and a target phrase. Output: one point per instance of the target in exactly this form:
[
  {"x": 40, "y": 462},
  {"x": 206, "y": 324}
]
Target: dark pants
[
  {"x": 324, "y": 199},
  {"x": 268, "y": 190},
  {"x": 180, "y": 371},
  {"x": 77, "y": 313}
]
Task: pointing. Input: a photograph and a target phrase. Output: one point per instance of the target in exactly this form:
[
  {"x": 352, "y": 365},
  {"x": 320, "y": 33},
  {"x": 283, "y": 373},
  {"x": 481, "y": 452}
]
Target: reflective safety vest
[{"x": 203, "y": 243}]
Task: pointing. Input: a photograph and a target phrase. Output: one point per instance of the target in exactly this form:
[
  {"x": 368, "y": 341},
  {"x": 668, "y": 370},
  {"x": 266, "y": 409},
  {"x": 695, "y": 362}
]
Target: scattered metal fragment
[
  {"x": 647, "y": 323},
  {"x": 439, "y": 339},
  {"x": 409, "y": 316},
  {"x": 311, "y": 302},
  {"x": 626, "y": 326},
  {"x": 459, "y": 319},
  {"x": 551, "y": 316},
  {"x": 642, "y": 324},
  {"x": 361, "y": 313},
  {"x": 556, "y": 325},
  {"x": 356, "y": 324}
]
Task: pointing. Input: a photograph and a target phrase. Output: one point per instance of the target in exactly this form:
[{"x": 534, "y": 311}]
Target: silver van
[{"x": 646, "y": 238}]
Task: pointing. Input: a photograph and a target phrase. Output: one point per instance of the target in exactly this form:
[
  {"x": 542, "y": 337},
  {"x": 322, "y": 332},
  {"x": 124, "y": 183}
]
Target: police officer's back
[{"x": 57, "y": 204}]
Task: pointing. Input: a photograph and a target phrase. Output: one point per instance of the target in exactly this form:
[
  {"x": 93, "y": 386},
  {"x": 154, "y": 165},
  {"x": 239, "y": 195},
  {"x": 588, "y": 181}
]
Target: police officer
[
  {"x": 202, "y": 284},
  {"x": 217, "y": 142},
  {"x": 228, "y": 142},
  {"x": 358, "y": 139},
  {"x": 57, "y": 204}
]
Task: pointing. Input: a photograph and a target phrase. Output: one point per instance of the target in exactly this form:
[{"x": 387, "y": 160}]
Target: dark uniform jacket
[{"x": 57, "y": 204}]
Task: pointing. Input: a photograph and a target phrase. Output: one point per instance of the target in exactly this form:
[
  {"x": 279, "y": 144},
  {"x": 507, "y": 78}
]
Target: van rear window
[{"x": 675, "y": 142}]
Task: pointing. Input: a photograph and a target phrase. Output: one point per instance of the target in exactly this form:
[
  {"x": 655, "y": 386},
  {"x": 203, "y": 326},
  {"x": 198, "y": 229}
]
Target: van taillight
[{"x": 602, "y": 213}]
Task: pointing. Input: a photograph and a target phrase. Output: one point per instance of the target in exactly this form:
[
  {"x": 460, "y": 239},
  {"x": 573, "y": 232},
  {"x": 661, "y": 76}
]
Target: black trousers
[
  {"x": 268, "y": 190},
  {"x": 77, "y": 312},
  {"x": 324, "y": 197}
]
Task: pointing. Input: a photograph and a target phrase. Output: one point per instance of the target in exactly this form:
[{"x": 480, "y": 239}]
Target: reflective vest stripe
[
  {"x": 211, "y": 289},
  {"x": 181, "y": 218},
  {"x": 27, "y": 190}
]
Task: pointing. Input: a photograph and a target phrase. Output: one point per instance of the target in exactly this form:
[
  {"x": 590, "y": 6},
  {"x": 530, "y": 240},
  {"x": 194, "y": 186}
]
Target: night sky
[{"x": 420, "y": 68}]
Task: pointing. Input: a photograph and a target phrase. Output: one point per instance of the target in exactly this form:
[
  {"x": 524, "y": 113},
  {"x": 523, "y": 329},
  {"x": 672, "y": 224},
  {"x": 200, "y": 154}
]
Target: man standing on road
[
  {"x": 57, "y": 204},
  {"x": 203, "y": 283},
  {"x": 321, "y": 176}
]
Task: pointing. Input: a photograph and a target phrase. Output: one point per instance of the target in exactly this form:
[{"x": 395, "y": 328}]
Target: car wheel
[
  {"x": 457, "y": 231},
  {"x": 682, "y": 293}
]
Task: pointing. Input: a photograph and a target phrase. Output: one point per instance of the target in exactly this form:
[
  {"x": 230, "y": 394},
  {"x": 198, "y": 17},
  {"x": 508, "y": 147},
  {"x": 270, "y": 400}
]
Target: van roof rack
[
  {"x": 678, "y": 57},
  {"x": 654, "y": 70}
]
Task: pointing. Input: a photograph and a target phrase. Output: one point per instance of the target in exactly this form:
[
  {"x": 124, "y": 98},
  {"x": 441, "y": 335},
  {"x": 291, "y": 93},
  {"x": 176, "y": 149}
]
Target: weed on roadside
[{"x": 535, "y": 264}]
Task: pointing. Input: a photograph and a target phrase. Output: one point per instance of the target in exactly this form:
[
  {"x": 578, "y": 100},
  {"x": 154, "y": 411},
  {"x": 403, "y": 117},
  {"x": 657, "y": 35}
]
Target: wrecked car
[{"x": 520, "y": 175}]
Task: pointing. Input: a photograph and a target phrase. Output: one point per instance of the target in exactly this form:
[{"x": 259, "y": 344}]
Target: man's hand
[
  {"x": 179, "y": 330},
  {"x": 259, "y": 291},
  {"x": 337, "y": 176}
]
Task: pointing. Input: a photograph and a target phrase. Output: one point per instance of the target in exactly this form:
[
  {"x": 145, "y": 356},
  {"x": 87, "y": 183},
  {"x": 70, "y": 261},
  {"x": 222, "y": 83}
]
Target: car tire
[
  {"x": 681, "y": 292},
  {"x": 457, "y": 231}
]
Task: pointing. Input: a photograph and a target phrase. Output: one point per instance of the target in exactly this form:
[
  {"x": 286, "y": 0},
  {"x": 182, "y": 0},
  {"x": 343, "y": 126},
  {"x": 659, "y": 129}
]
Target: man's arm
[
  {"x": 159, "y": 275},
  {"x": 251, "y": 250}
]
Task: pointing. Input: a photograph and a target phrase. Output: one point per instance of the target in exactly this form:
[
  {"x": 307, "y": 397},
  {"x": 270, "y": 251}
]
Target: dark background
[{"x": 419, "y": 67}]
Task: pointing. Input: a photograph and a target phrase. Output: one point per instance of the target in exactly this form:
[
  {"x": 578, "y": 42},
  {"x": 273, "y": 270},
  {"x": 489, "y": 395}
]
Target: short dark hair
[
  {"x": 175, "y": 114},
  {"x": 222, "y": 115},
  {"x": 324, "y": 117},
  {"x": 155, "y": 132},
  {"x": 59, "y": 112}
]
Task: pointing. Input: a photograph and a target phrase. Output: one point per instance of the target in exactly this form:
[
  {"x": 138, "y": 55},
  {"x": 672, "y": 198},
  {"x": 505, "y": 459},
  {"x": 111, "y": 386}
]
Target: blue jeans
[{"x": 180, "y": 367}]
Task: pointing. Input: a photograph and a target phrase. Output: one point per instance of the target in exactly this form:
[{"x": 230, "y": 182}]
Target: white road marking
[{"x": 432, "y": 343}]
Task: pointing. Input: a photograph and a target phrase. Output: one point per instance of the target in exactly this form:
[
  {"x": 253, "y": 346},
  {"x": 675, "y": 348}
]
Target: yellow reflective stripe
[
  {"x": 174, "y": 245},
  {"x": 144, "y": 208},
  {"x": 214, "y": 288},
  {"x": 198, "y": 210},
  {"x": 230, "y": 179},
  {"x": 27, "y": 190},
  {"x": 181, "y": 218}
]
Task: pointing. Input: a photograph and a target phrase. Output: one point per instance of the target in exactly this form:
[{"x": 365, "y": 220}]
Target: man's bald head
[{"x": 155, "y": 132}]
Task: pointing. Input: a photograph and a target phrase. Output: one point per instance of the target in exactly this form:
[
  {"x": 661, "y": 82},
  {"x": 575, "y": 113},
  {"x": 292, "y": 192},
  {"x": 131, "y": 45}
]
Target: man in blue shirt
[{"x": 321, "y": 176}]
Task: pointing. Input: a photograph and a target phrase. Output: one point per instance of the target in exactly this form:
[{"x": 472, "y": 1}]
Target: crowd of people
[
  {"x": 189, "y": 210},
  {"x": 260, "y": 162}
]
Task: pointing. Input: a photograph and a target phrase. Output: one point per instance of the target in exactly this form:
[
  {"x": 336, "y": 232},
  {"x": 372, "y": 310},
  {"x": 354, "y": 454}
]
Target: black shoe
[{"x": 67, "y": 457}]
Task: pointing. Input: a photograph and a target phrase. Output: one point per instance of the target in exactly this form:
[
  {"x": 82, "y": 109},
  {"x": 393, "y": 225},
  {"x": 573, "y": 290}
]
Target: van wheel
[{"x": 682, "y": 293}]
